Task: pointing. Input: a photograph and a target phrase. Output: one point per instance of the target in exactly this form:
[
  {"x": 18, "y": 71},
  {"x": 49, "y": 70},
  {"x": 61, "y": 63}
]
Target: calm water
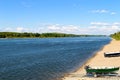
[{"x": 45, "y": 59}]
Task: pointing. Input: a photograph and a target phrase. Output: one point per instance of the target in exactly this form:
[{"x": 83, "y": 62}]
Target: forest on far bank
[
  {"x": 116, "y": 36},
  {"x": 40, "y": 35}
]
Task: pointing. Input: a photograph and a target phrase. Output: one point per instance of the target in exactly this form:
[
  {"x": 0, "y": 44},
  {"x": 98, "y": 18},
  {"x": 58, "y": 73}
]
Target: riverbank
[{"x": 99, "y": 60}]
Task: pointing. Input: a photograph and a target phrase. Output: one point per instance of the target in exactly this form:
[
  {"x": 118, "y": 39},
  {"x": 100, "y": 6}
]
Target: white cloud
[
  {"x": 53, "y": 27},
  {"x": 17, "y": 29},
  {"x": 100, "y": 11},
  {"x": 99, "y": 24},
  {"x": 103, "y": 11},
  {"x": 116, "y": 23},
  {"x": 8, "y": 29},
  {"x": 21, "y": 29},
  {"x": 106, "y": 28},
  {"x": 94, "y": 28},
  {"x": 61, "y": 28},
  {"x": 113, "y": 13}
]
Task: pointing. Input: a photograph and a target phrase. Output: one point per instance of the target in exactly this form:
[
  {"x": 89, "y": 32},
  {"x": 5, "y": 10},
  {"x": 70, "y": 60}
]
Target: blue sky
[{"x": 66, "y": 16}]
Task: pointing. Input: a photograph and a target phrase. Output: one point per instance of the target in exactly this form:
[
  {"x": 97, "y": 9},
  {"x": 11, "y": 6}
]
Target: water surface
[{"x": 46, "y": 58}]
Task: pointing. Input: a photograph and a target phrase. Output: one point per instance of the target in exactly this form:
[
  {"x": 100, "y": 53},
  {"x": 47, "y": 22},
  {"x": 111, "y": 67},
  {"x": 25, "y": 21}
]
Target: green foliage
[
  {"x": 116, "y": 36},
  {"x": 33, "y": 35},
  {"x": 38, "y": 35}
]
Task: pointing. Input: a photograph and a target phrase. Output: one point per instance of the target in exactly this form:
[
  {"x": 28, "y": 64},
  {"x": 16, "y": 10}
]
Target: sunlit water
[{"x": 46, "y": 58}]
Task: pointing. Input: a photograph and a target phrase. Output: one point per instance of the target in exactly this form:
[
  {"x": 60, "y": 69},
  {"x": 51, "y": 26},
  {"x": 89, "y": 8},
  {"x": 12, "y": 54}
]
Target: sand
[{"x": 99, "y": 60}]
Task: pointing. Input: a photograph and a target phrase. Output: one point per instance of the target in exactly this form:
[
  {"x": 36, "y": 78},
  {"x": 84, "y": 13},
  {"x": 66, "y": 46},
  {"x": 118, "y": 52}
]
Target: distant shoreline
[{"x": 42, "y": 35}]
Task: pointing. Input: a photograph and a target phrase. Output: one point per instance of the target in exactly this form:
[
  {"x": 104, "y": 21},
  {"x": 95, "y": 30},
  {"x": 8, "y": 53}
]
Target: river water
[{"x": 45, "y": 58}]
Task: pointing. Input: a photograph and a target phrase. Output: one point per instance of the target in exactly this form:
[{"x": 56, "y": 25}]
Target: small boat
[
  {"x": 101, "y": 71},
  {"x": 112, "y": 54}
]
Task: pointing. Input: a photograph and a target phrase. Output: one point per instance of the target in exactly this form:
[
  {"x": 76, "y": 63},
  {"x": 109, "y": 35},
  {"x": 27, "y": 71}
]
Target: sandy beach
[{"x": 98, "y": 60}]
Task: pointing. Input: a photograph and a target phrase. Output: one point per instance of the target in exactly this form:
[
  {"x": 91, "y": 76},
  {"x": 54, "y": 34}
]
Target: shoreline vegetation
[
  {"x": 42, "y": 35},
  {"x": 116, "y": 36}
]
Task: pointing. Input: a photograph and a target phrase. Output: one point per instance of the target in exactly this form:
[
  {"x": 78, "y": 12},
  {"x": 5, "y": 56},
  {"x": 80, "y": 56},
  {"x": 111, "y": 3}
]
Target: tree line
[
  {"x": 116, "y": 35},
  {"x": 38, "y": 35}
]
